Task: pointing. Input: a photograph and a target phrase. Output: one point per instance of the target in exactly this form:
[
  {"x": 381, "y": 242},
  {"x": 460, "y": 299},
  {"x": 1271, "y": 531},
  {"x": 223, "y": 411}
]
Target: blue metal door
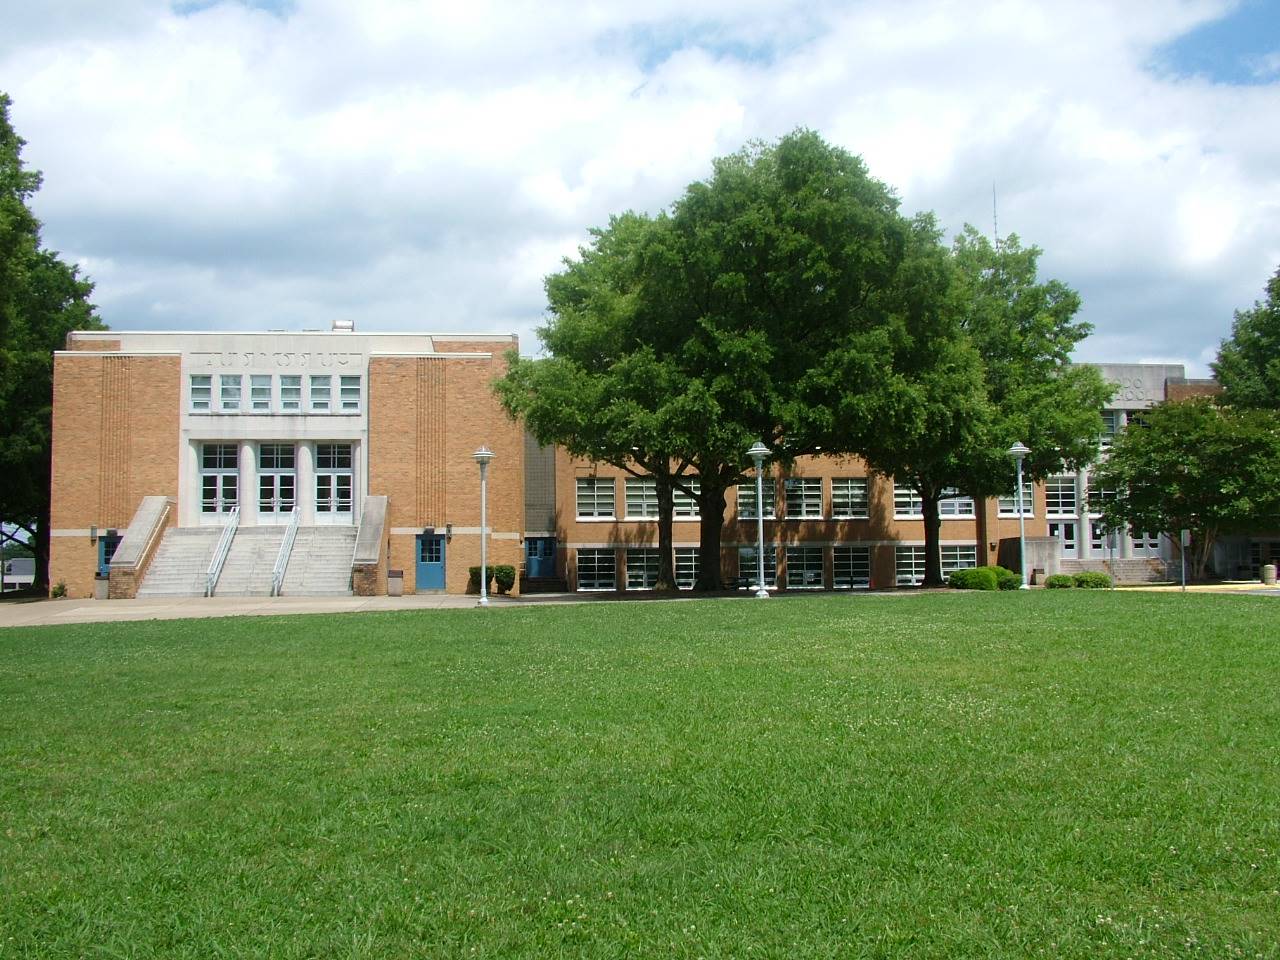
[
  {"x": 540, "y": 557},
  {"x": 107, "y": 544},
  {"x": 430, "y": 573}
]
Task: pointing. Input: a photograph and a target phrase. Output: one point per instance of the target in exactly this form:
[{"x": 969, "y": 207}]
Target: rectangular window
[
  {"x": 1060, "y": 496},
  {"x": 747, "y": 500},
  {"x": 260, "y": 392},
  {"x": 642, "y": 568},
  {"x": 229, "y": 391},
  {"x": 219, "y": 477},
  {"x": 276, "y": 456},
  {"x": 849, "y": 497},
  {"x": 320, "y": 394},
  {"x": 349, "y": 393},
  {"x": 1111, "y": 423},
  {"x": 642, "y": 498},
  {"x": 747, "y": 566},
  {"x": 686, "y": 567},
  {"x": 333, "y": 456},
  {"x": 597, "y": 569},
  {"x": 804, "y": 568},
  {"x": 291, "y": 393},
  {"x": 201, "y": 391},
  {"x": 908, "y": 565},
  {"x": 804, "y": 497},
  {"x": 955, "y": 504},
  {"x": 684, "y": 506},
  {"x": 958, "y": 558},
  {"x": 850, "y": 567},
  {"x": 595, "y": 497},
  {"x": 906, "y": 502},
  {"x": 1097, "y": 536},
  {"x": 1008, "y": 505}
]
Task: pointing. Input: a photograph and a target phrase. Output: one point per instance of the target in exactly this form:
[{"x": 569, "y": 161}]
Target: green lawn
[{"x": 1072, "y": 774}]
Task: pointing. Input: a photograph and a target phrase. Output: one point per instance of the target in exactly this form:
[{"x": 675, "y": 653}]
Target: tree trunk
[
  {"x": 932, "y": 539},
  {"x": 666, "y": 502},
  {"x": 711, "y": 509},
  {"x": 1202, "y": 549}
]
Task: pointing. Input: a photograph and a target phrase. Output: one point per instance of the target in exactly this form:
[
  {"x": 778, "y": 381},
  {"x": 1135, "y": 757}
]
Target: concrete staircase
[
  {"x": 181, "y": 563},
  {"x": 247, "y": 571},
  {"x": 1132, "y": 570},
  {"x": 320, "y": 564}
]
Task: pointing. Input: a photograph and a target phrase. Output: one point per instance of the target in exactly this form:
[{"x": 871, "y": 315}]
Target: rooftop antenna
[{"x": 995, "y": 217}]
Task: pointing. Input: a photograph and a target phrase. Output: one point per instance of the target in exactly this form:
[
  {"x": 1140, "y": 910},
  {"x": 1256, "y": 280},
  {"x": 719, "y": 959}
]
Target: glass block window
[
  {"x": 642, "y": 498},
  {"x": 349, "y": 393},
  {"x": 260, "y": 392},
  {"x": 804, "y": 497},
  {"x": 642, "y": 568},
  {"x": 1008, "y": 505},
  {"x": 1060, "y": 496},
  {"x": 683, "y": 505},
  {"x": 291, "y": 393},
  {"x": 201, "y": 391},
  {"x": 686, "y": 567},
  {"x": 849, "y": 497},
  {"x": 906, "y": 502},
  {"x": 747, "y": 500},
  {"x": 955, "y": 504},
  {"x": 958, "y": 558},
  {"x": 321, "y": 394},
  {"x": 908, "y": 565},
  {"x": 595, "y": 497},
  {"x": 850, "y": 567},
  {"x": 1111, "y": 423},
  {"x": 804, "y": 568},
  {"x": 229, "y": 391},
  {"x": 747, "y": 566},
  {"x": 597, "y": 569}
]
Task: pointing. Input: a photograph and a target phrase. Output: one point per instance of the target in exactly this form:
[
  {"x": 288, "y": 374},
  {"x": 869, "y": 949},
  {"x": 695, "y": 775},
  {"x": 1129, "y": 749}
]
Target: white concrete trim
[{"x": 73, "y": 532}]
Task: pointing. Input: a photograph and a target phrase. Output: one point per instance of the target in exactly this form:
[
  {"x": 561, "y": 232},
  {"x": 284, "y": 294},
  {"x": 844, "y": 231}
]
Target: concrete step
[
  {"x": 249, "y": 563},
  {"x": 181, "y": 562},
  {"x": 320, "y": 564}
]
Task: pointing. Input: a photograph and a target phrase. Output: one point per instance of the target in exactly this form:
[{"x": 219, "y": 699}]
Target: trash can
[
  {"x": 395, "y": 583},
  {"x": 1269, "y": 574},
  {"x": 101, "y": 587}
]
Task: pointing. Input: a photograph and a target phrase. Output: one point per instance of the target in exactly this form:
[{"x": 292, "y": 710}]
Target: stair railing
[
  {"x": 286, "y": 549},
  {"x": 220, "y": 554}
]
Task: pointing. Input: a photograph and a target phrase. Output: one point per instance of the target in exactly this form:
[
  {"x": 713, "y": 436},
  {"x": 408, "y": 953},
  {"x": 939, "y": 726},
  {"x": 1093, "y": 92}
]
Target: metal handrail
[
  {"x": 351, "y": 580},
  {"x": 286, "y": 548},
  {"x": 220, "y": 554}
]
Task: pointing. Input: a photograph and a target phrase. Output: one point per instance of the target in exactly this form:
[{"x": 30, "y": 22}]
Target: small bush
[
  {"x": 1060, "y": 581},
  {"x": 504, "y": 575},
  {"x": 1006, "y": 579},
  {"x": 973, "y": 578},
  {"x": 1092, "y": 580},
  {"x": 59, "y": 590},
  {"x": 473, "y": 578}
]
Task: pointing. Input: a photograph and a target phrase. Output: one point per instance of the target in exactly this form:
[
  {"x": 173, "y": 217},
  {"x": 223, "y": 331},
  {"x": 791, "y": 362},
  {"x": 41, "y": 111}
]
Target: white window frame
[
  {"x": 850, "y": 567},
  {"x": 805, "y": 494},
  {"x": 954, "y": 505},
  {"x": 1112, "y": 423},
  {"x": 642, "y": 568},
  {"x": 747, "y": 500},
  {"x": 907, "y": 504},
  {"x": 641, "y": 498},
  {"x": 683, "y": 506},
  {"x": 1060, "y": 497},
  {"x": 596, "y": 493},
  {"x": 349, "y": 390},
  {"x": 687, "y": 567},
  {"x": 201, "y": 392},
  {"x": 260, "y": 402},
  {"x": 747, "y": 566},
  {"x": 1007, "y": 504},
  {"x": 958, "y": 557},
  {"x": 320, "y": 393},
  {"x": 602, "y": 560},
  {"x": 908, "y": 566},
  {"x": 225, "y": 474},
  {"x": 230, "y": 392},
  {"x": 801, "y": 568},
  {"x": 291, "y": 392},
  {"x": 850, "y": 498}
]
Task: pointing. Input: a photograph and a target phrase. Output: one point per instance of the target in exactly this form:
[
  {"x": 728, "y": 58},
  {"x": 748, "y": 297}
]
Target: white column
[
  {"x": 248, "y": 483},
  {"x": 306, "y": 482},
  {"x": 1084, "y": 527}
]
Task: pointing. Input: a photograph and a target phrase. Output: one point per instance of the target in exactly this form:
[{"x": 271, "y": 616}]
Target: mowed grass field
[{"x": 1058, "y": 774}]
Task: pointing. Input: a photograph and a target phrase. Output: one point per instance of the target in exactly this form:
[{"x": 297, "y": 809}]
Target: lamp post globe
[
  {"x": 758, "y": 452},
  {"x": 1018, "y": 451},
  {"x": 482, "y": 457}
]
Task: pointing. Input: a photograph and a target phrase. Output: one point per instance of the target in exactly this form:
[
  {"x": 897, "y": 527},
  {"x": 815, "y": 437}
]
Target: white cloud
[{"x": 425, "y": 164}]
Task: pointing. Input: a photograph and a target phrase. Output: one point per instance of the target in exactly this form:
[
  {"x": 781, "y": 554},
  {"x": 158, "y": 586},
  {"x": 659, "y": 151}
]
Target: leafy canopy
[{"x": 1248, "y": 365}]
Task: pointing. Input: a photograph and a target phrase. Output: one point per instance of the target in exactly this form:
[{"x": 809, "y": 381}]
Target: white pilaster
[
  {"x": 306, "y": 483},
  {"x": 248, "y": 483}
]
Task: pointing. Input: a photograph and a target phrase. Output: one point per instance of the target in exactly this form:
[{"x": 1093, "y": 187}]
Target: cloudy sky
[{"x": 219, "y": 164}]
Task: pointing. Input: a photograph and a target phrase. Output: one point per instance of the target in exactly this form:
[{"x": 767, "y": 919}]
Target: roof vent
[{"x": 344, "y": 326}]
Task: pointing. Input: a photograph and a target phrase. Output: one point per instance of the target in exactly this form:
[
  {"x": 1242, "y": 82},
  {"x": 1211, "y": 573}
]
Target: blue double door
[
  {"x": 540, "y": 557},
  {"x": 430, "y": 572}
]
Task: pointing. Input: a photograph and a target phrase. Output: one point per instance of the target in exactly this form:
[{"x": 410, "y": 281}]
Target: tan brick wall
[
  {"x": 115, "y": 441},
  {"x": 98, "y": 346}
]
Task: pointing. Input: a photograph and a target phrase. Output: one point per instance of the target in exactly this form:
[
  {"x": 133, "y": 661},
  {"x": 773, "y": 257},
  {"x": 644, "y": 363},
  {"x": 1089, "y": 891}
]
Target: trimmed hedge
[
  {"x": 504, "y": 575},
  {"x": 1059, "y": 581},
  {"x": 973, "y": 578},
  {"x": 473, "y": 578},
  {"x": 1006, "y": 579},
  {"x": 1092, "y": 580}
]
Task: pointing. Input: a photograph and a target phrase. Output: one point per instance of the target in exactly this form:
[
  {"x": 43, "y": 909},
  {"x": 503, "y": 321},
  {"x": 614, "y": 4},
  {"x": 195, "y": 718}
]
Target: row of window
[
  {"x": 277, "y": 478},
  {"x": 268, "y": 393},
  {"x": 850, "y": 566}
]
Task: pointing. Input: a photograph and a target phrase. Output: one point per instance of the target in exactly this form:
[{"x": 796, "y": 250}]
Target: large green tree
[
  {"x": 1194, "y": 465},
  {"x": 42, "y": 298},
  {"x": 1248, "y": 365}
]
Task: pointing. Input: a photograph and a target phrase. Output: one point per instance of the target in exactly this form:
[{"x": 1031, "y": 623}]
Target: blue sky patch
[
  {"x": 1242, "y": 48},
  {"x": 279, "y": 8}
]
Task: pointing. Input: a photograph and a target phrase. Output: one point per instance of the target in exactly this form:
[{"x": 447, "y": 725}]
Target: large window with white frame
[
  {"x": 260, "y": 392},
  {"x": 850, "y": 567},
  {"x": 219, "y": 477},
  {"x": 277, "y": 479},
  {"x": 849, "y": 498},
  {"x": 229, "y": 392},
  {"x": 959, "y": 557},
  {"x": 595, "y": 497},
  {"x": 747, "y": 566},
  {"x": 804, "y": 497},
  {"x": 597, "y": 569},
  {"x": 349, "y": 394},
  {"x": 955, "y": 505},
  {"x": 1008, "y": 505},
  {"x": 1060, "y": 496},
  {"x": 642, "y": 568},
  {"x": 1112, "y": 421},
  {"x": 684, "y": 506},
  {"x": 321, "y": 393},
  {"x": 747, "y": 500},
  {"x": 641, "y": 498},
  {"x": 804, "y": 568},
  {"x": 686, "y": 567},
  {"x": 906, "y": 502},
  {"x": 201, "y": 392},
  {"x": 908, "y": 563},
  {"x": 291, "y": 393}
]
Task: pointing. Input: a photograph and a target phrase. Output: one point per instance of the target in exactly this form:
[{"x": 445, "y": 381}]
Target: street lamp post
[
  {"x": 482, "y": 457},
  {"x": 1018, "y": 451},
  {"x": 757, "y": 453}
]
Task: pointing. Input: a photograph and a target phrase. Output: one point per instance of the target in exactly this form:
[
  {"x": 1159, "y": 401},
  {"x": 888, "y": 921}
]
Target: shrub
[
  {"x": 1060, "y": 581},
  {"x": 59, "y": 590},
  {"x": 1006, "y": 579},
  {"x": 504, "y": 576},
  {"x": 1092, "y": 580},
  {"x": 973, "y": 578},
  {"x": 473, "y": 578}
]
